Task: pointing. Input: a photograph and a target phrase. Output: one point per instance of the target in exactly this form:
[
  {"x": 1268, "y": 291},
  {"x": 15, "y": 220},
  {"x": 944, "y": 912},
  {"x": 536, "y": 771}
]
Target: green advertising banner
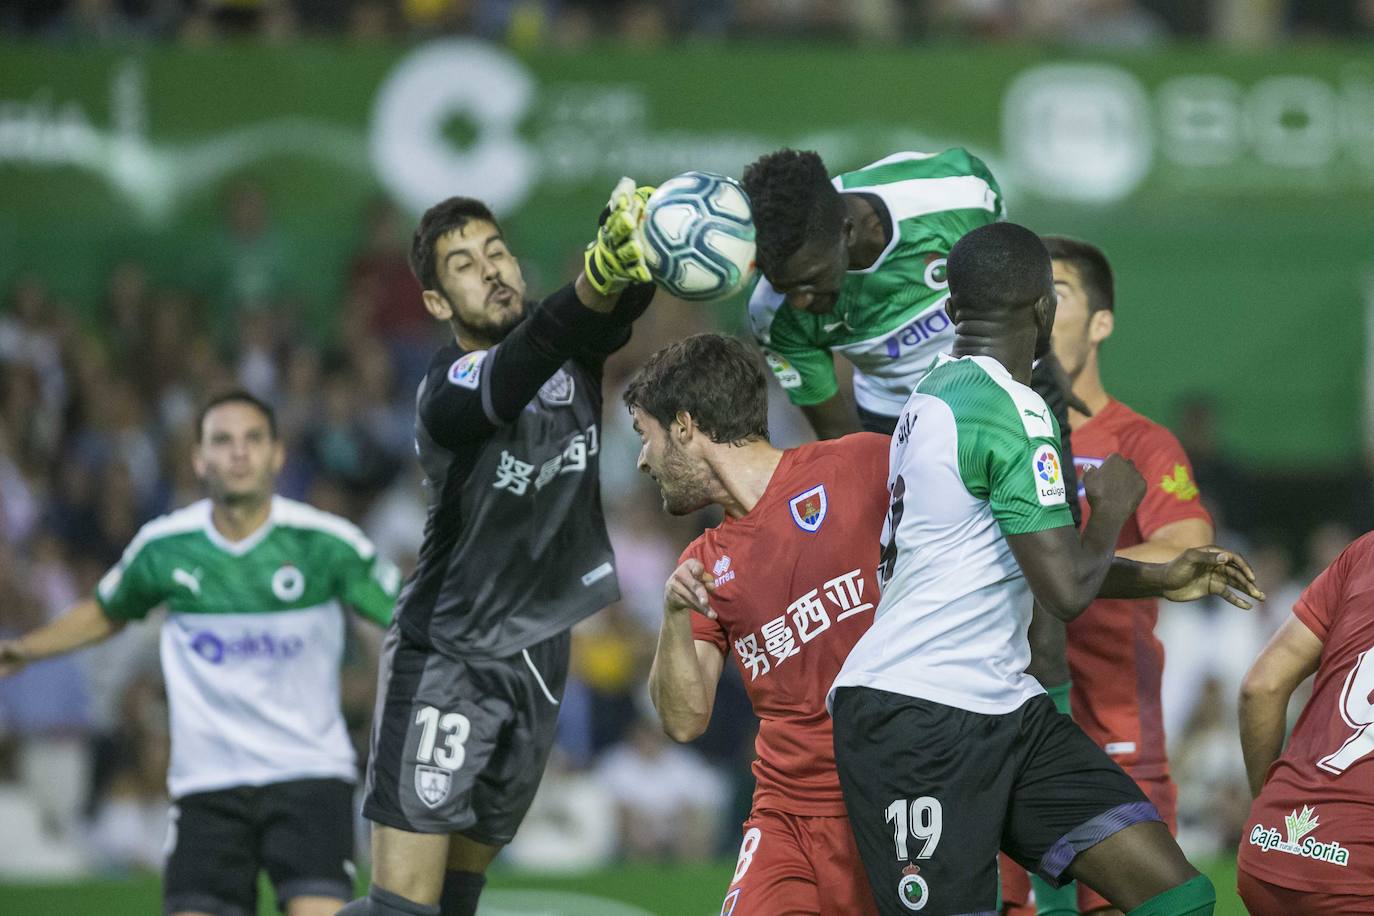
[{"x": 1233, "y": 193}]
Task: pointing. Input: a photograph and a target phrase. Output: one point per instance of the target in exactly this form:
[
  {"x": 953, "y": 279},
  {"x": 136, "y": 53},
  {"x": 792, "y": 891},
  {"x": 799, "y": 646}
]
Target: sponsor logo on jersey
[
  {"x": 1049, "y": 479},
  {"x": 288, "y": 583},
  {"x": 783, "y": 371},
  {"x": 218, "y": 650},
  {"x": 722, "y": 570},
  {"x": 432, "y": 784},
  {"x": 731, "y": 899},
  {"x": 931, "y": 324},
  {"x": 1297, "y": 826},
  {"x": 466, "y": 371},
  {"x": 558, "y": 390},
  {"x": 1179, "y": 485},
  {"x": 912, "y": 890},
  {"x": 808, "y": 509}
]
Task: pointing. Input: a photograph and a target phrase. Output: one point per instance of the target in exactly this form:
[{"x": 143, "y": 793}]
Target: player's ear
[
  {"x": 950, "y": 309},
  {"x": 683, "y": 428},
  {"x": 437, "y": 305},
  {"x": 197, "y": 461},
  {"x": 1101, "y": 325},
  {"x": 278, "y": 456}
]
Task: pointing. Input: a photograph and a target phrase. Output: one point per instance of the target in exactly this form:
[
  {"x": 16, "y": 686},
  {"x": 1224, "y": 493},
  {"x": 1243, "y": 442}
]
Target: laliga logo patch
[
  {"x": 912, "y": 890},
  {"x": 466, "y": 371},
  {"x": 808, "y": 509},
  {"x": 557, "y": 391},
  {"x": 1049, "y": 480},
  {"x": 432, "y": 784}
]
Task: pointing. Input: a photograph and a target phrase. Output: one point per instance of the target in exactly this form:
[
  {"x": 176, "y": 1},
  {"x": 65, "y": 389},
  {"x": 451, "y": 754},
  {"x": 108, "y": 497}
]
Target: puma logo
[
  {"x": 191, "y": 582},
  {"x": 1038, "y": 415}
]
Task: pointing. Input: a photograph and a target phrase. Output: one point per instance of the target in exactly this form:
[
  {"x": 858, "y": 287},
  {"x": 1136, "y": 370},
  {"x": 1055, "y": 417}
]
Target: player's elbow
[
  {"x": 1262, "y": 685},
  {"x": 683, "y": 729}
]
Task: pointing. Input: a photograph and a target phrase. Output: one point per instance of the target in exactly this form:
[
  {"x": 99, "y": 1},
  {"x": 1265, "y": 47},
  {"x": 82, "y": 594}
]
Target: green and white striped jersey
[
  {"x": 253, "y": 639},
  {"x": 975, "y": 458},
  {"x": 889, "y": 320}
]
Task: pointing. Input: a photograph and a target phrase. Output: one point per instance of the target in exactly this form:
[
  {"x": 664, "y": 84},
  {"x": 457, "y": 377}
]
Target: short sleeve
[
  {"x": 1025, "y": 475},
  {"x": 1320, "y": 602},
  {"x": 369, "y": 585},
  {"x": 1171, "y": 495},
  {"x": 806, "y": 372},
  {"x": 130, "y": 589}
]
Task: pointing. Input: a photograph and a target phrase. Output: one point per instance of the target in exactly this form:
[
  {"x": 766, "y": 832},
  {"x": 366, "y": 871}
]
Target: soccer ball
[{"x": 699, "y": 236}]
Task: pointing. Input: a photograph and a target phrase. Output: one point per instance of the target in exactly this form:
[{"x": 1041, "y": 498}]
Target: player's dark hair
[
  {"x": 999, "y": 268},
  {"x": 793, "y": 201},
  {"x": 715, "y": 378},
  {"x": 236, "y": 396},
  {"x": 445, "y": 216},
  {"x": 1092, "y": 268}
]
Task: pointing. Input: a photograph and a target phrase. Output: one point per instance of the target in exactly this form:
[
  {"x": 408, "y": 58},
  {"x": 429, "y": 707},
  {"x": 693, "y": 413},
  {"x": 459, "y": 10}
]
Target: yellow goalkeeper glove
[{"x": 616, "y": 258}]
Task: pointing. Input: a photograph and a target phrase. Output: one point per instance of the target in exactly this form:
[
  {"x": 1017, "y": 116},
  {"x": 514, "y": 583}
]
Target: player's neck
[
  {"x": 239, "y": 520},
  {"x": 870, "y": 229},
  {"x": 742, "y": 474},
  {"x": 1087, "y": 387},
  {"x": 987, "y": 338}
]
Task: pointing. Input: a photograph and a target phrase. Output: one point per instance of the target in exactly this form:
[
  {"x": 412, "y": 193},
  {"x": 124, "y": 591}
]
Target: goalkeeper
[{"x": 515, "y": 549}]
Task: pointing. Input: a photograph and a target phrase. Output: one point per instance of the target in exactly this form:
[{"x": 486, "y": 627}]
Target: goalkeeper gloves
[{"x": 616, "y": 258}]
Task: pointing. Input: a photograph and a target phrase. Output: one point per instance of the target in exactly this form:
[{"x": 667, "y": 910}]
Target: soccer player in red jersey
[
  {"x": 1308, "y": 848},
  {"x": 1114, "y": 659},
  {"x": 786, "y": 584}
]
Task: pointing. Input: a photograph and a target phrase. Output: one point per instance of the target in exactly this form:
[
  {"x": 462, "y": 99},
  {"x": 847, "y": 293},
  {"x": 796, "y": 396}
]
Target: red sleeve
[
  {"x": 1320, "y": 603},
  {"x": 1171, "y": 493},
  {"x": 704, "y": 628}
]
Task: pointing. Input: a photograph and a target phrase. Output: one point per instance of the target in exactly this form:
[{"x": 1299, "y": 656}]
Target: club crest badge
[
  {"x": 432, "y": 784},
  {"x": 808, "y": 509},
  {"x": 912, "y": 890},
  {"x": 557, "y": 391}
]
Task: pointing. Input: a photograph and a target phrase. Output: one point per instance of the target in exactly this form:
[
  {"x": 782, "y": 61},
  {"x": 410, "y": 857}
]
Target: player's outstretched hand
[
  {"x": 1202, "y": 571},
  {"x": 1115, "y": 486},
  {"x": 12, "y": 657},
  {"x": 689, "y": 589},
  {"x": 616, "y": 258}
]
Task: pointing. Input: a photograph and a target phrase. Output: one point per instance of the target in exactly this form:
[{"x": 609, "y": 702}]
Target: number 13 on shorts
[{"x": 920, "y": 820}]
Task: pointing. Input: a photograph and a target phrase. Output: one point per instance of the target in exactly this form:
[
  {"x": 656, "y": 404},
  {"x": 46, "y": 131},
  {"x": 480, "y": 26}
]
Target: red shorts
[
  {"x": 1164, "y": 794},
  {"x": 1265, "y": 899},
  {"x": 795, "y": 864}
]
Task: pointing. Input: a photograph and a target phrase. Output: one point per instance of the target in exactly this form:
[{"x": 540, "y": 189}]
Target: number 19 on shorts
[{"x": 920, "y": 820}]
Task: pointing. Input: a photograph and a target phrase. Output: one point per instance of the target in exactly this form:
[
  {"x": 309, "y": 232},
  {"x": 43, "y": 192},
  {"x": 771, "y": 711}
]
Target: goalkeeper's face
[
  {"x": 482, "y": 291},
  {"x": 238, "y": 458},
  {"x": 684, "y": 482}
]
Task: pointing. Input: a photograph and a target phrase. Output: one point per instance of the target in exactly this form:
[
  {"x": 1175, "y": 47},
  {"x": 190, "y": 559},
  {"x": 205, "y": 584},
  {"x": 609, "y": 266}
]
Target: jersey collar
[{"x": 239, "y": 548}]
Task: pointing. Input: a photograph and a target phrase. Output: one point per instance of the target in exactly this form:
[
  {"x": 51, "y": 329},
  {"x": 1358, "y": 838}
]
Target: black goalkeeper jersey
[{"x": 515, "y": 547}]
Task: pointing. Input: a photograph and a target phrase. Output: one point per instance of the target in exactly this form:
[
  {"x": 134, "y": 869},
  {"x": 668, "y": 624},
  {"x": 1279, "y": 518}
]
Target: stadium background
[{"x": 198, "y": 193}]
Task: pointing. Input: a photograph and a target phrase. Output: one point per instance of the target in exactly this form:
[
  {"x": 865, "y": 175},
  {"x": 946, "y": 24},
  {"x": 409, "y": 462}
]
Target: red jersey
[
  {"x": 796, "y": 585},
  {"x": 1114, "y": 658},
  {"x": 1312, "y": 827}
]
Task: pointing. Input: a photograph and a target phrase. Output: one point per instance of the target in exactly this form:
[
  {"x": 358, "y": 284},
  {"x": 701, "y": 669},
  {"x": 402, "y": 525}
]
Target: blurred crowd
[
  {"x": 97, "y": 403},
  {"x": 540, "y": 23}
]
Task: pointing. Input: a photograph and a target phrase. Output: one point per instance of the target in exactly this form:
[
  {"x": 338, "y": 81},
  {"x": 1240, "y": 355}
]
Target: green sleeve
[
  {"x": 805, "y": 370},
  {"x": 131, "y": 588},
  {"x": 1026, "y": 483},
  {"x": 370, "y": 585}
]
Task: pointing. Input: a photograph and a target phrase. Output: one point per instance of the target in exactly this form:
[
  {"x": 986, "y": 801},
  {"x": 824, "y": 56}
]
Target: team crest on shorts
[
  {"x": 557, "y": 391},
  {"x": 912, "y": 890},
  {"x": 432, "y": 784},
  {"x": 808, "y": 509}
]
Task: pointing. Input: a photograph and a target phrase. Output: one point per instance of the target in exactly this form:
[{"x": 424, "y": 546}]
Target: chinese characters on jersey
[
  {"x": 515, "y": 475},
  {"x": 805, "y": 618}
]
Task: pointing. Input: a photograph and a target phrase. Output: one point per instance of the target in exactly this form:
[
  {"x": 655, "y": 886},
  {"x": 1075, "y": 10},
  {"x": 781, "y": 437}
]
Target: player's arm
[
  {"x": 1171, "y": 540},
  {"x": 685, "y": 671},
  {"x": 1065, "y": 571},
  {"x": 85, "y": 624},
  {"x": 832, "y": 418},
  {"x": 1290, "y": 657}
]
